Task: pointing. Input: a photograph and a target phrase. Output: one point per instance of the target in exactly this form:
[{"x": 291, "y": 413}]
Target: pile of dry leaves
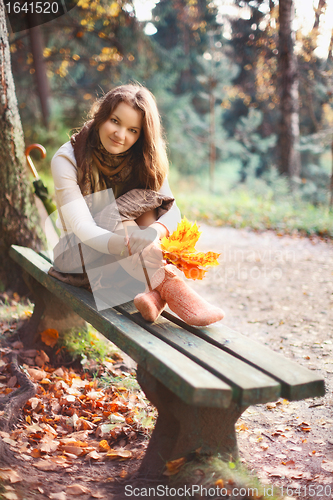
[{"x": 72, "y": 414}]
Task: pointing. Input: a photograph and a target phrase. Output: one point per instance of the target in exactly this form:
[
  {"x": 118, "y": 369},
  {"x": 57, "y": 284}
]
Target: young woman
[{"x": 114, "y": 205}]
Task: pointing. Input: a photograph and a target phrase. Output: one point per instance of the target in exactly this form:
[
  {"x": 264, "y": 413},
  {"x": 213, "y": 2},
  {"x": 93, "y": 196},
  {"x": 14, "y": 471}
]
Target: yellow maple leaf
[
  {"x": 184, "y": 238},
  {"x": 179, "y": 250}
]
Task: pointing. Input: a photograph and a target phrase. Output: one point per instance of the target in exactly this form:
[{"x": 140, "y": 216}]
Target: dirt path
[{"x": 279, "y": 291}]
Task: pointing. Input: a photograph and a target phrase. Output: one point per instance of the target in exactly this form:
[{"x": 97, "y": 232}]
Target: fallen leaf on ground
[
  {"x": 289, "y": 462},
  {"x": 48, "y": 465},
  {"x": 77, "y": 489},
  {"x": 327, "y": 466},
  {"x": 241, "y": 427},
  {"x": 36, "y": 375},
  {"x": 58, "y": 496},
  {"x": 50, "y": 337},
  {"x": 41, "y": 359},
  {"x": 122, "y": 454},
  {"x": 280, "y": 471},
  {"x": 10, "y": 475},
  {"x": 104, "y": 445},
  {"x": 174, "y": 466},
  {"x": 98, "y": 494},
  {"x": 10, "y": 495},
  {"x": 95, "y": 456}
]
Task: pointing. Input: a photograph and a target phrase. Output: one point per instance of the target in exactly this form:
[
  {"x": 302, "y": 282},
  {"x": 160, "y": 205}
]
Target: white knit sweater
[{"x": 75, "y": 212}]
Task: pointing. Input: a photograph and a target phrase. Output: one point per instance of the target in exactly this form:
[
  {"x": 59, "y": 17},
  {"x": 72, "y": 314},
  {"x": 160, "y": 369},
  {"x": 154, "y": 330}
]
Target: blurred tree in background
[{"x": 183, "y": 30}]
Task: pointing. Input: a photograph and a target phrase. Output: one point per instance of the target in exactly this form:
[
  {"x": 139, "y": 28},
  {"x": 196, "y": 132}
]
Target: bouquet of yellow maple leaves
[{"x": 179, "y": 249}]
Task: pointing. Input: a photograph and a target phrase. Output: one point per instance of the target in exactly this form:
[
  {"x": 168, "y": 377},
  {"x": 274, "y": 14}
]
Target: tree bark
[
  {"x": 318, "y": 12},
  {"x": 19, "y": 220},
  {"x": 330, "y": 49},
  {"x": 290, "y": 160},
  {"x": 43, "y": 90},
  {"x": 331, "y": 183}
]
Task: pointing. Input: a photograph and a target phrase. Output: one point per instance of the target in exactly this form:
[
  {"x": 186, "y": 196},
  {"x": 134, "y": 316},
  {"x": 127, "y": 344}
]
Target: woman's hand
[
  {"x": 146, "y": 242},
  {"x": 152, "y": 257},
  {"x": 140, "y": 239}
]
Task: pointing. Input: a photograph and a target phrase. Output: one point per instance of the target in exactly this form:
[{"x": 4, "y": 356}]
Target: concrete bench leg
[
  {"x": 49, "y": 312},
  {"x": 181, "y": 428}
]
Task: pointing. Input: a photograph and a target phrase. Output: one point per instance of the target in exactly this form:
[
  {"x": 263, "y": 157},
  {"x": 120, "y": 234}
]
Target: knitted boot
[
  {"x": 150, "y": 305},
  {"x": 184, "y": 301}
]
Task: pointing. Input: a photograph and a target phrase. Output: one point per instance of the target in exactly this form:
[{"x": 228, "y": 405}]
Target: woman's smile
[
  {"x": 116, "y": 142},
  {"x": 122, "y": 129}
]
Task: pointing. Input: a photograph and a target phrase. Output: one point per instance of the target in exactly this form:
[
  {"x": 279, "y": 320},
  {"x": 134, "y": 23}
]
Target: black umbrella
[{"x": 40, "y": 189}]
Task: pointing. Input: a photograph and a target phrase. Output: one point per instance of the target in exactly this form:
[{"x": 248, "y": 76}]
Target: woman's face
[{"x": 121, "y": 130}]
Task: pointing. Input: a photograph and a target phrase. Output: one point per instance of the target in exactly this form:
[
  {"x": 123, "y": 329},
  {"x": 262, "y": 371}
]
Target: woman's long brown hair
[{"x": 150, "y": 159}]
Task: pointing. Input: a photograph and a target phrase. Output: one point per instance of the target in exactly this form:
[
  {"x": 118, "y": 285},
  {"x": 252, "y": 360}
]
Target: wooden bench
[{"x": 200, "y": 379}]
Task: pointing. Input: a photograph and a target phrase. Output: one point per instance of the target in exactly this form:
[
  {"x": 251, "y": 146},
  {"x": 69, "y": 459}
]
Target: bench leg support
[
  {"x": 49, "y": 312},
  {"x": 181, "y": 428}
]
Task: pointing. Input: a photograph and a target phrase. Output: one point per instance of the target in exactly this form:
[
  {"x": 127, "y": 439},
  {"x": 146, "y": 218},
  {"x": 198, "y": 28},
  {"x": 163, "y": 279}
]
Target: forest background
[{"x": 220, "y": 82}]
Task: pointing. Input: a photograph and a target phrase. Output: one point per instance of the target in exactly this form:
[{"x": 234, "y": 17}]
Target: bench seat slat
[
  {"x": 192, "y": 383},
  {"x": 250, "y": 385},
  {"x": 297, "y": 382}
]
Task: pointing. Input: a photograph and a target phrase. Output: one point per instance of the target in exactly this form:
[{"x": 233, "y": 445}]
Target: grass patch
[
  {"x": 257, "y": 205},
  {"x": 12, "y": 310},
  {"x": 211, "y": 477},
  {"x": 86, "y": 344}
]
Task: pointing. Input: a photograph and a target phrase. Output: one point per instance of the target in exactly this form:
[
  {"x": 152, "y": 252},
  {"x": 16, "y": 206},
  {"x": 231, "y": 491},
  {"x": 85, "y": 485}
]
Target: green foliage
[
  {"x": 12, "y": 310},
  {"x": 52, "y": 138},
  {"x": 182, "y": 26},
  {"x": 187, "y": 134},
  {"x": 315, "y": 176},
  {"x": 254, "y": 149},
  {"x": 258, "y": 204},
  {"x": 85, "y": 344}
]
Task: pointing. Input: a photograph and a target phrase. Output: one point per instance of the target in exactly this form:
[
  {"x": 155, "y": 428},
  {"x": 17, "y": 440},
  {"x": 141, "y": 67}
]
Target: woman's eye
[
  {"x": 114, "y": 120},
  {"x": 134, "y": 131}
]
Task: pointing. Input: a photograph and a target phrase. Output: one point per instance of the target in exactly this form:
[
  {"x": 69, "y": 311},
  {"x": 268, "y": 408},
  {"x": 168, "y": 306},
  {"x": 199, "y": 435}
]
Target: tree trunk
[
  {"x": 290, "y": 160},
  {"x": 19, "y": 219},
  {"x": 37, "y": 44},
  {"x": 331, "y": 183},
  {"x": 318, "y": 12},
  {"x": 330, "y": 49},
  {"x": 212, "y": 148}
]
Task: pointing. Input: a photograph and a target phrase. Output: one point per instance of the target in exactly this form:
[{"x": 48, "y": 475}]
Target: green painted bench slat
[
  {"x": 192, "y": 383},
  {"x": 297, "y": 382},
  {"x": 250, "y": 385}
]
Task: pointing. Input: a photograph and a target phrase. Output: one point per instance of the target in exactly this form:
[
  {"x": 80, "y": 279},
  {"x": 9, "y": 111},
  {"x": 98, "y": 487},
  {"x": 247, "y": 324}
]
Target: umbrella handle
[{"x": 29, "y": 160}]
